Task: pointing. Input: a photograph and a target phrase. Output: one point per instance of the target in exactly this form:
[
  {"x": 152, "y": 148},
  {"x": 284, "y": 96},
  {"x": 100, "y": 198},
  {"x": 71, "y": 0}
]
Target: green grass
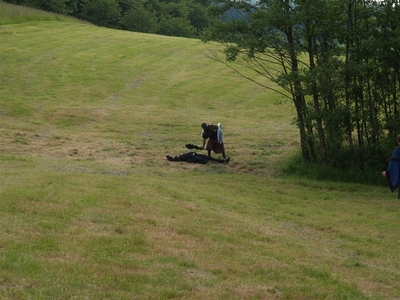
[{"x": 89, "y": 209}]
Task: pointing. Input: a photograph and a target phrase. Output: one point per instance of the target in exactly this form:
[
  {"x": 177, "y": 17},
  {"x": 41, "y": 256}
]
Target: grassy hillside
[
  {"x": 90, "y": 209},
  {"x": 140, "y": 93}
]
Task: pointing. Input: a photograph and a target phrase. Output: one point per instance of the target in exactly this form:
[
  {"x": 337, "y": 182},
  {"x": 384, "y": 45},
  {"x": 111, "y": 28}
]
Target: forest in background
[{"x": 182, "y": 18}]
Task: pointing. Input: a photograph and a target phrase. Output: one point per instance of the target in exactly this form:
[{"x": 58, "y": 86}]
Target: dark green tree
[
  {"x": 105, "y": 13},
  {"x": 141, "y": 20},
  {"x": 176, "y": 27},
  {"x": 57, "y": 6},
  {"x": 127, "y": 5},
  {"x": 198, "y": 16},
  {"x": 174, "y": 14}
]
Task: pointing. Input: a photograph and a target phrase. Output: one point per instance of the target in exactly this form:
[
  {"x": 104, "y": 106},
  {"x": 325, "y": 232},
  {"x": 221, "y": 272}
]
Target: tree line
[
  {"x": 183, "y": 18},
  {"x": 338, "y": 61}
]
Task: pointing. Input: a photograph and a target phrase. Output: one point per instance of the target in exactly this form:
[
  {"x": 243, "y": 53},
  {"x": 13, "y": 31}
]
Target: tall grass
[{"x": 90, "y": 209}]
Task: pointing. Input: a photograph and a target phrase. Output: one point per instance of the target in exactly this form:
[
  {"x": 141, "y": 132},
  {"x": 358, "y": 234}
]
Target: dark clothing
[
  {"x": 193, "y": 157},
  {"x": 210, "y": 133},
  {"x": 191, "y": 146},
  {"x": 393, "y": 171}
]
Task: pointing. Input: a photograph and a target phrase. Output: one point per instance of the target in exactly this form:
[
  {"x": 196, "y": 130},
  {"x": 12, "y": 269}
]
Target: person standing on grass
[
  {"x": 392, "y": 173},
  {"x": 215, "y": 138}
]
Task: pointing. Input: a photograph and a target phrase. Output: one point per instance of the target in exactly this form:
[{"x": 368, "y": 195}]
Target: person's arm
[{"x": 205, "y": 137}]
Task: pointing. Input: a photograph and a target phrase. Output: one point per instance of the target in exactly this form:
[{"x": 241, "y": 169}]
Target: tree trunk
[
  {"x": 307, "y": 145},
  {"x": 320, "y": 129}
]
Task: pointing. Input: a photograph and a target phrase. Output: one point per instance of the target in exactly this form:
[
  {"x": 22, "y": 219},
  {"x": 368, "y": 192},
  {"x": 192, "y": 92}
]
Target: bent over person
[{"x": 215, "y": 138}]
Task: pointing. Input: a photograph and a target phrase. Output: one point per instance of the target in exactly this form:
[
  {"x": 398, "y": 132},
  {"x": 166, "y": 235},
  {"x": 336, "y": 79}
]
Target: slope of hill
[
  {"x": 90, "y": 209},
  {"x": 154, "y": 91}
]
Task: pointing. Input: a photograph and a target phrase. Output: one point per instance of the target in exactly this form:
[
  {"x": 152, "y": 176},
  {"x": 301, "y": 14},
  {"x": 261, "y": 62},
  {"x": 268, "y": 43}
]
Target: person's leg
[
  {"x": 210, "y": 146},
  {"x": 200, "y": 159},
  {"x": 209, "y": 158},
  {"x": 220, "y": 161}
]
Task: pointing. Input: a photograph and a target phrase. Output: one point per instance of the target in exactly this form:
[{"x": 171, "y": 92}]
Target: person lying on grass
[{"x": 193, "y": 157}]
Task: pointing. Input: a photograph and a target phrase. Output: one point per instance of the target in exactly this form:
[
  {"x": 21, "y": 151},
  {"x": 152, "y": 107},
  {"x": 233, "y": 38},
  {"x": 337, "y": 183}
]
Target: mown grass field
[{"x": 89, "y": 208}]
